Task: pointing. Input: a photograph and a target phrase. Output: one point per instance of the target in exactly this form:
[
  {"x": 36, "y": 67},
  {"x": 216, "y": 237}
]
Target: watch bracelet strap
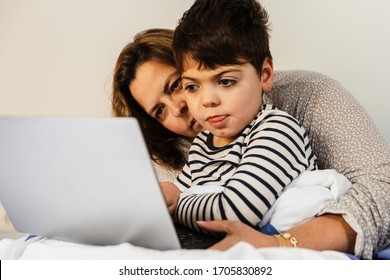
[{"x": 285, "y": 236}]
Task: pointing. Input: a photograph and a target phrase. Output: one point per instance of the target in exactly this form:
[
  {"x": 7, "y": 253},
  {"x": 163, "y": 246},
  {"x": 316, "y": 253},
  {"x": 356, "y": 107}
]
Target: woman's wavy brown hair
[{"x": 148, "y": 45}]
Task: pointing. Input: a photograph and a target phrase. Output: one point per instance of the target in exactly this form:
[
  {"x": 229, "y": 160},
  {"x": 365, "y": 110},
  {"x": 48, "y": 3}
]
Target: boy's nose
[{"x": 210, "y": 99}]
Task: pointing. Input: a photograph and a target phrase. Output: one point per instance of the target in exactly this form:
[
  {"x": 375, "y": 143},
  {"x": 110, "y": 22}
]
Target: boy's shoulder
[
  {"x": 273, "y": 110},
  {"x": 270, "y": 112}
]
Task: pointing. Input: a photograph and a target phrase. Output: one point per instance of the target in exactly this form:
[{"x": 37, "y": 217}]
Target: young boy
[{"x": 238, "y": 167}]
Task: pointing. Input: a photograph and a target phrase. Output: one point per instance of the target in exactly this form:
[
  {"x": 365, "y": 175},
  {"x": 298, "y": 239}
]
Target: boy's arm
[{"x": 275, "y": 155}]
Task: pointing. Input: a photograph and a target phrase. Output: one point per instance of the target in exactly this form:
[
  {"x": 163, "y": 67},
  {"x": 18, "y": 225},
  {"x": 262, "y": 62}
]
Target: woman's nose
[{"x": 179, "y": 108}]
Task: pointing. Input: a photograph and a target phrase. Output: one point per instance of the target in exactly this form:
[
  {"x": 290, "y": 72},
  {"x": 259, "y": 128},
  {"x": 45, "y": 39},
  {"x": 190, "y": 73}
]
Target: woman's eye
[
  {"x": 176, "y": 85},
  {"x": 158, "y": 114},
  {"x": 227, "y": 82}
]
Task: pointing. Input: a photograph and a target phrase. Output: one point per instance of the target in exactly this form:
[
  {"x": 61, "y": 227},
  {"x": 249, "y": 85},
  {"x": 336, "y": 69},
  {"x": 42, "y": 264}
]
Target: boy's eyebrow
[
  {"x": 188, "y": 78},
  {"x": 217, "y": 75}
]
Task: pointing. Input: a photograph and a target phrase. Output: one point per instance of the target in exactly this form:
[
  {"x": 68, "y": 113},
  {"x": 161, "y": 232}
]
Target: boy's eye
[
  {"x": 226, "y": 82},
  {"x": 191, "y": 88},
  {"x": 176, "y": 85}
]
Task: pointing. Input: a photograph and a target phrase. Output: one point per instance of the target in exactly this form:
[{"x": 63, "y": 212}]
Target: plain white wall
[
  {"x": 347, "y": 39},
  {"x": 57, "y": 57}
]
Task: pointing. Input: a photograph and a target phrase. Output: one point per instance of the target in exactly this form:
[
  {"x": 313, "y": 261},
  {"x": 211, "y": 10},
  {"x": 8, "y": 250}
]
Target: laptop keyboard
[{"x": 190, "y": 239}]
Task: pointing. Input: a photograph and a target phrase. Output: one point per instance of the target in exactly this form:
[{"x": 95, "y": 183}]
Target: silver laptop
[{"x": 87, "y": 180}]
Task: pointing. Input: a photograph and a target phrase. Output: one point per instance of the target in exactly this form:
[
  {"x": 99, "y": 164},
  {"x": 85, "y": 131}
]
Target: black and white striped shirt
[{"x": 253, "y": 170}]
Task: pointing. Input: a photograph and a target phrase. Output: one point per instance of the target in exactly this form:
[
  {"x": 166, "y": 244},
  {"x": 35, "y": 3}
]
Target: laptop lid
[{"x": 86, "y": 180}]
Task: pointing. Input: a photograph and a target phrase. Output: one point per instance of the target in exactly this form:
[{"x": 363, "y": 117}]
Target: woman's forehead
[{"x": 151, "y": 82}]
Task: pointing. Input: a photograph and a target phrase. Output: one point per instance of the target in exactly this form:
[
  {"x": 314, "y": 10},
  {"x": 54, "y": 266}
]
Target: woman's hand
[
  {"x": 171, "y": 194},
  {"x": 326, "y": 232},
  {"x": 235, "y": 232}
]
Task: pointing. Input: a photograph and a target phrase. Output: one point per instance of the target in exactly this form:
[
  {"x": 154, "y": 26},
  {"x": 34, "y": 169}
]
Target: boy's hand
[{"x": 171, "y": 194}]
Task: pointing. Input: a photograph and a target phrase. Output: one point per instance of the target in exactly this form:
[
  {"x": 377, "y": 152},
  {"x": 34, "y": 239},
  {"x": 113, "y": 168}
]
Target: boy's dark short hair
[{"x": 223, "y": 32}]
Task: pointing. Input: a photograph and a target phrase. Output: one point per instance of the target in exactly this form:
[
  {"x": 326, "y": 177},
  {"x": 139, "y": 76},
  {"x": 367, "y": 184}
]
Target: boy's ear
[{"x": 267, "y": 76}]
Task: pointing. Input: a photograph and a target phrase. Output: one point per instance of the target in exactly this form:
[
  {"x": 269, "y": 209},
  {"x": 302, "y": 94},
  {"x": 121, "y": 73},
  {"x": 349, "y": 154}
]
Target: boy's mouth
[{"x": 216, "y": 120}]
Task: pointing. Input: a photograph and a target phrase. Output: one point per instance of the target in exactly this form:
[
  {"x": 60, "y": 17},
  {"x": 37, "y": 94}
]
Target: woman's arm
[
  {"x": 327, "y": 232},
  {"x": 344, "y": 138},
  {"x": 171, "y": 195}
]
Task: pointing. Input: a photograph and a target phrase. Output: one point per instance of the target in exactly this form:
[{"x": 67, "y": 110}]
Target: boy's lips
[{"x": 214, "y": 120}]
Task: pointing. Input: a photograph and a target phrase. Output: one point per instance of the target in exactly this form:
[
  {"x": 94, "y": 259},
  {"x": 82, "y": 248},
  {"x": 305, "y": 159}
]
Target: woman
[{"x": 147, "y": 86}]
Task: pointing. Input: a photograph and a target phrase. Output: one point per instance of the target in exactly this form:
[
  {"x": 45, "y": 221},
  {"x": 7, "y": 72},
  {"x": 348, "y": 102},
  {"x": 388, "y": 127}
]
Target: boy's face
[{"x": 225, "y": 100}]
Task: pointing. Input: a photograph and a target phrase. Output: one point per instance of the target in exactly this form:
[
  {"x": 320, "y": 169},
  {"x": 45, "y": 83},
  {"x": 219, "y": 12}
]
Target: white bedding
[{"x": 45, "y": 249}]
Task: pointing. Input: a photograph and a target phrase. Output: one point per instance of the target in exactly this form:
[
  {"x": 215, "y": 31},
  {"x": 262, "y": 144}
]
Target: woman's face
[{"x": 157, "y": 89}]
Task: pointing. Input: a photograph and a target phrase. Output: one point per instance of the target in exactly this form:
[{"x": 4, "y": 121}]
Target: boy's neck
[{"x": 219, "y": 142}]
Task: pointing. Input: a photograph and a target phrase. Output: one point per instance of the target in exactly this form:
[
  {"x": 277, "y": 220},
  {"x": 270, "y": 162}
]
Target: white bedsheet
[
  {"x": 49, "y": 249},
  {"x": 305, "y": 197}
]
